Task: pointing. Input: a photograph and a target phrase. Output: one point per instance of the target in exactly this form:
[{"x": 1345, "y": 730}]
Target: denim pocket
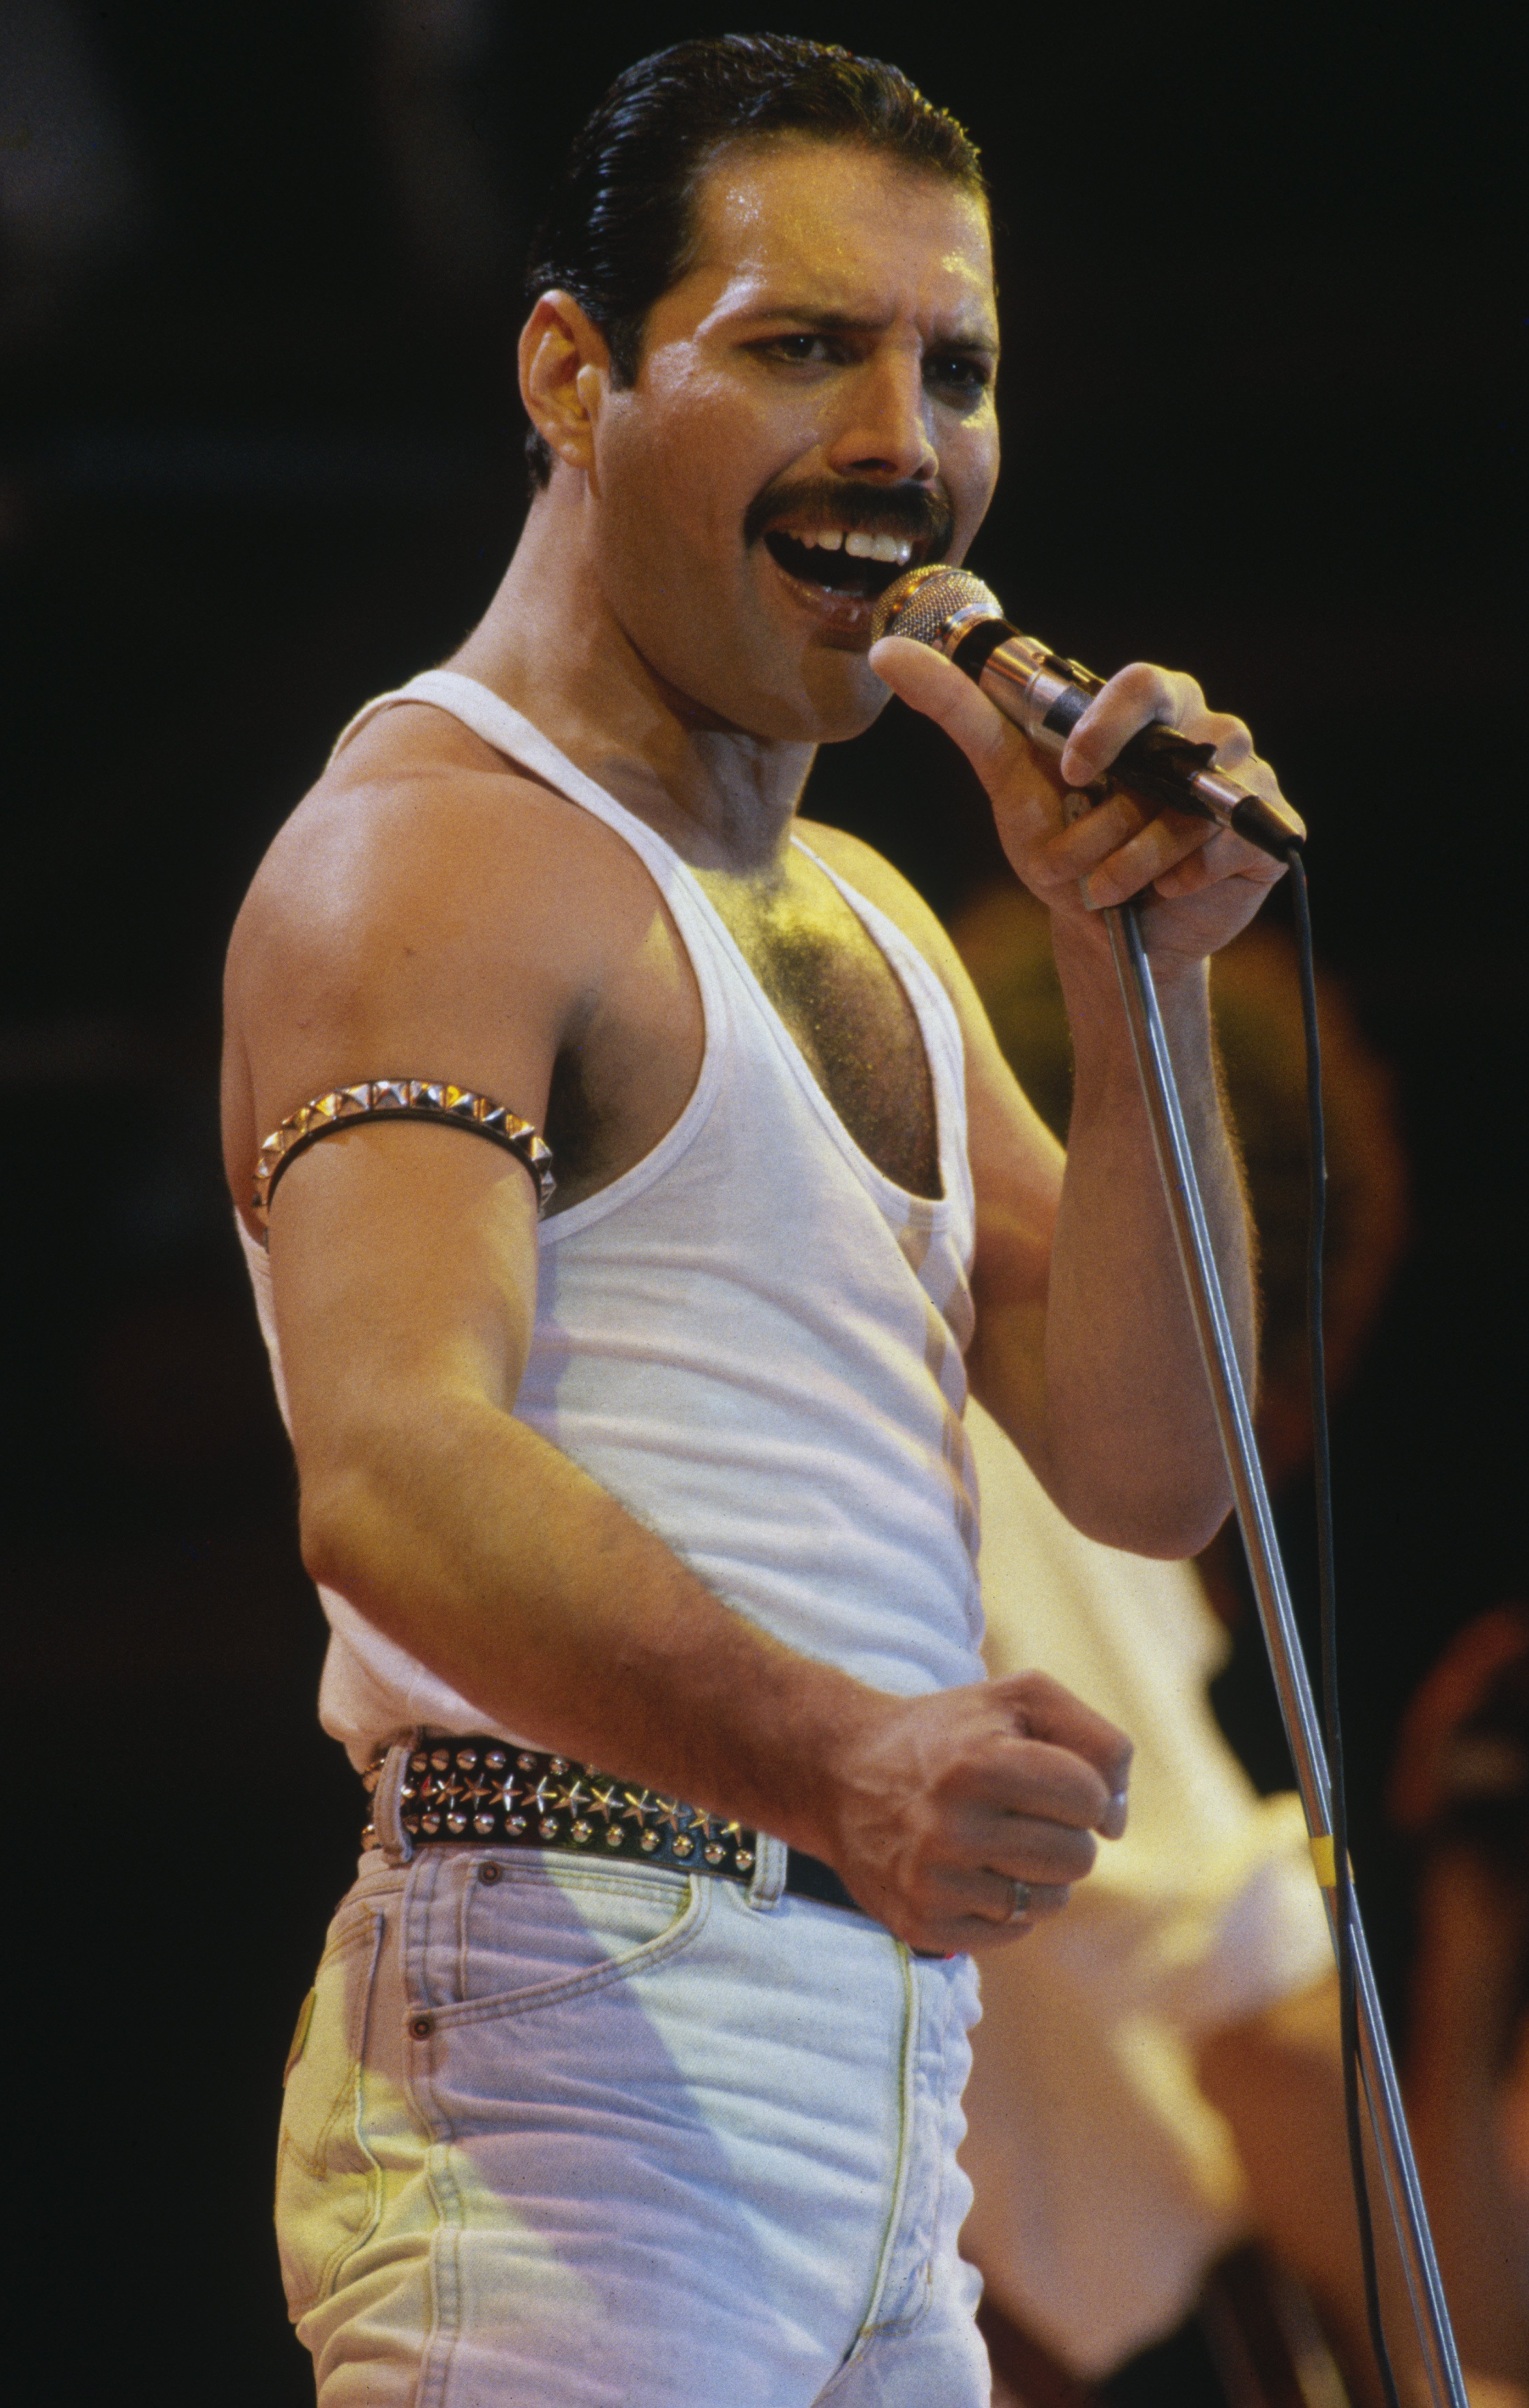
[
  {"x": 328, "y": 2185},
  {"x": 506, "y": 1936}
]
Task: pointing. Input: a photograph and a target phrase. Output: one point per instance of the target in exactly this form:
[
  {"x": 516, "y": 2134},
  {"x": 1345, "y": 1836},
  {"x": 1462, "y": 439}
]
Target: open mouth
[{"x": 854, "y": 564}]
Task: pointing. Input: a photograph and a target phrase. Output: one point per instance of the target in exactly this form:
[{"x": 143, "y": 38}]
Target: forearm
[
  {"x": 1131, "y": 1444},
  {"x": 493, "y": 1559}
]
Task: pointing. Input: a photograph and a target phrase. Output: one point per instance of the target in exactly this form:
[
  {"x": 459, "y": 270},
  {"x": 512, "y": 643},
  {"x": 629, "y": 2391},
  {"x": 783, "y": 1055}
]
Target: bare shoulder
[
  {"x": 429, "y": 909},
  {"x": 420, "y": 831}
]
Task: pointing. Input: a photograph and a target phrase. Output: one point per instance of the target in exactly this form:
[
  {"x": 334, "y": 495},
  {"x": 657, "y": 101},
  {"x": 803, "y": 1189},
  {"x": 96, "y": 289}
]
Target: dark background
[{"x": 259, "y": 458}]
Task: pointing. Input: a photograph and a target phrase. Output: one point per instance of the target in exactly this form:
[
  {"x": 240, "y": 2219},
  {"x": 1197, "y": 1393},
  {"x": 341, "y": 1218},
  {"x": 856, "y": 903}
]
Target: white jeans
[{"x": 563, "y": 2133}]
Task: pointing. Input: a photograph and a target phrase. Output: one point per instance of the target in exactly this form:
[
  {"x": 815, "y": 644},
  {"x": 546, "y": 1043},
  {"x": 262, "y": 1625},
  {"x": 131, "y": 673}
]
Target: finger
[
  {"x": 930, "y": 684},
  {"x": 1211, "y": 865},
  {"x": 1157, "y": 850},
  {"x": 989, "y": 1893},
  {"x": 1133, "y": 699},
  {"x": 976, "y": 1910},
  {"x": 1042, "y": 1709},
  {"x": 1232, "y": 737},
  {"x": 1031, "y": 1848},
  {"x": 1027, "y": 1779},
  {"x": 1091, "y": 837}
]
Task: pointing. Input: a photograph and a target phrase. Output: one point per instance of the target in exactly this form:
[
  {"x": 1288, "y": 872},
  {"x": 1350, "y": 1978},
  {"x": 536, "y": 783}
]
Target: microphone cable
[{"x": 1327, "y": 1593}]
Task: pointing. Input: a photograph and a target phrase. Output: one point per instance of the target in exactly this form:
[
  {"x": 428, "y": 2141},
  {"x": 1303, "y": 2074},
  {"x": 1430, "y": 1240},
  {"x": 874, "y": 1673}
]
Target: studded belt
[{"x": 480, "y": 1792}]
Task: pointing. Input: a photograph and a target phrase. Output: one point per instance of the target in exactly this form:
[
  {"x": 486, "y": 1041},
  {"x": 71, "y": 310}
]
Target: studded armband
[{"x": 377, "y": 1100}]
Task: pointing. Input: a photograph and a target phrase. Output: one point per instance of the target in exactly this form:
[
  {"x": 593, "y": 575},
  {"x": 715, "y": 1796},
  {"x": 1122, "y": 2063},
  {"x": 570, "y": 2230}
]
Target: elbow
[
  {"x": 337, "y": 1532},
  {"x": 1154, "y": 1520}
]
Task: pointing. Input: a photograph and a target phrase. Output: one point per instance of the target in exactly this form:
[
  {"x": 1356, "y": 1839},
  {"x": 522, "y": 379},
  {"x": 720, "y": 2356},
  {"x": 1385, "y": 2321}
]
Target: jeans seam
[
  {"x": 363, "y": 1936},
  {"x": 899, "y": 2181}
]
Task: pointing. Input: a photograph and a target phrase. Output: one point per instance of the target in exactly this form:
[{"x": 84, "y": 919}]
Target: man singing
[{"x": 643, "y": 1511}]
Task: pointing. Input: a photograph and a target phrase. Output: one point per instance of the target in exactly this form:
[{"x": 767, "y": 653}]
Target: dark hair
[{"x": 619, "y": 225}]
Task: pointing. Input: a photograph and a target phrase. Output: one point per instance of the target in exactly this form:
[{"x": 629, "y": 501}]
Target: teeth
[
  {"x": 886, "y": 548},
  {"x": 890, "y": 549}
]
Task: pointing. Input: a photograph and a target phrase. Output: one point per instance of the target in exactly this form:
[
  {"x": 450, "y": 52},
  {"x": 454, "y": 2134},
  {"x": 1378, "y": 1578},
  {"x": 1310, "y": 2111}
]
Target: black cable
[{"x": 1343, "y": 1896}]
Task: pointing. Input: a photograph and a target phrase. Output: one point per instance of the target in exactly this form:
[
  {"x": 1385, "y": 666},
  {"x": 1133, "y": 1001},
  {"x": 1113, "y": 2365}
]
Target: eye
[
  {"x": 801, "y": 351},
  {"x": 961, "y": 374}
]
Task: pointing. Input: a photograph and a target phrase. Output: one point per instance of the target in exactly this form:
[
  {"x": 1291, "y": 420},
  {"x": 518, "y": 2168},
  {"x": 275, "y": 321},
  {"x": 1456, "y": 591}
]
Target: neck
[{"x": 549, "y": 644}]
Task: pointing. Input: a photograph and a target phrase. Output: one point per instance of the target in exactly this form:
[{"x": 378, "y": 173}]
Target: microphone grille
[{"x": 919, "y": 604}]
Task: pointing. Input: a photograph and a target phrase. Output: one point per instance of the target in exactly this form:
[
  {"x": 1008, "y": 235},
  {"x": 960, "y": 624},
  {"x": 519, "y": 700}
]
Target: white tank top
[{"x": 753, "y": 1338}]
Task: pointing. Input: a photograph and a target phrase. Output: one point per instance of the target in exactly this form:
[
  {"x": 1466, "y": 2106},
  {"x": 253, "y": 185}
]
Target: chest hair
[{"x": 851, "y": 1021}]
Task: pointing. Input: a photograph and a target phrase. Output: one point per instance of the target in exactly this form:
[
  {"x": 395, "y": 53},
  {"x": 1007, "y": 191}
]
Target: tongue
[{"x": 840, "y": 571}]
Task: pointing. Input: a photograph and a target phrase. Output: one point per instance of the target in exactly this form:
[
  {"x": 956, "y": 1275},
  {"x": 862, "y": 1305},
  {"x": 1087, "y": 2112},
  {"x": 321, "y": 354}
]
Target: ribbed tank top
[{"x": 752, "y": 1339}]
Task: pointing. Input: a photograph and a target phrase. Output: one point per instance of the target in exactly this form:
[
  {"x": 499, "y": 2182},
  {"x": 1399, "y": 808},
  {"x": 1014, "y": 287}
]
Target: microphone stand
[{"x": 1229, "y": 1397}]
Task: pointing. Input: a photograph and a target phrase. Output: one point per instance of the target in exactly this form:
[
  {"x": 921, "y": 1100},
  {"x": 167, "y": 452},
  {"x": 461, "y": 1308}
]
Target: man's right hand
[{"x": 939, "y": 1804}]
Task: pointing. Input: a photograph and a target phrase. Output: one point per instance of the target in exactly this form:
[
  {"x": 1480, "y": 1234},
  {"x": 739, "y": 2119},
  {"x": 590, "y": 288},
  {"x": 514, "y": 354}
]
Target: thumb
[{"x": 927, "y": 681}]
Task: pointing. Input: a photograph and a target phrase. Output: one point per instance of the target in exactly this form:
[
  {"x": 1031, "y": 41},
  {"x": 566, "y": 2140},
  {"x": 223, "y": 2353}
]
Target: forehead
[{"x": 834, "y": 226}]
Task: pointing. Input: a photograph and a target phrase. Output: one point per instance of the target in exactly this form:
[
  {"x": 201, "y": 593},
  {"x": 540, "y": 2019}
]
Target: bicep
[
  {"x": 403, "y": 1280},
  {"x": 418, "y": 934},
  {"x": 403, "y": 1252}
]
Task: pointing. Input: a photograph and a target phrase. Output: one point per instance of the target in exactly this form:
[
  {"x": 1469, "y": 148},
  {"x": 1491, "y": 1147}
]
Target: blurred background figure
[
  {"x": 1157, "y": 2077},
  {"x": 1460, "y": 1790}
]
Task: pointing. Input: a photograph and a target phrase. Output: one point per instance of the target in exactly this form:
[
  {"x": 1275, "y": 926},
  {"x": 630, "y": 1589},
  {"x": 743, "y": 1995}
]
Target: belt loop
[
  {"x": 769, "y": 1876},
  {"x": 387, "y": 1801}
]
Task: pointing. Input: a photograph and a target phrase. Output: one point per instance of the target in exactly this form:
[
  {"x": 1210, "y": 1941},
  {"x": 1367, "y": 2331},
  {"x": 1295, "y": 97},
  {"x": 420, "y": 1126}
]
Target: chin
[{"x": 841, "y": 696}]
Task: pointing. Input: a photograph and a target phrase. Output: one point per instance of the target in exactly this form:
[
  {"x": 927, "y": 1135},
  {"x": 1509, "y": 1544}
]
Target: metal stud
[
  {"x": 613, "y": 1837},
  {"x": 467, "y": 1759},
  {"x": 526, "y": 1761},
  {"x": 549, "y": 1826},
  {"x": 456, "y": 1824},
  {"x": 557, "y": 1764},
  {"x": 744, "y": 1860},
  {"x": 483, "y": 1824},
  {"x": 441, "y": 1760},
  {"x": 496, "y": 1760},
  {"x": 684, "y": 1846},
  {"x": 514, "y": 1822},
  {"x": 713, "y": 1854},
  {"x": 431, "y": 1822},
  {"x": 582, "y": 1831},
  {"x": 649, "y": 1843},
  {"x": 419, "y": 1763}
]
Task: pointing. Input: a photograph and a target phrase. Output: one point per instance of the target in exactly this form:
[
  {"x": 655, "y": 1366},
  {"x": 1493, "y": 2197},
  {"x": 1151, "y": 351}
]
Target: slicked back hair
[{"x": 620, "y": 229}]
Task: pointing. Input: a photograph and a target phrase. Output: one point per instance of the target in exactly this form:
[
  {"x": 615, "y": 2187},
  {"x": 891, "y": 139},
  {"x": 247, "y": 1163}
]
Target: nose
[{"x": 884, "y": 426}]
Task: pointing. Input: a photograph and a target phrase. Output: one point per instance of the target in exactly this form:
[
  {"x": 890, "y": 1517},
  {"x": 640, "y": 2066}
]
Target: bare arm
[{"x": 1085, "y": 1350}]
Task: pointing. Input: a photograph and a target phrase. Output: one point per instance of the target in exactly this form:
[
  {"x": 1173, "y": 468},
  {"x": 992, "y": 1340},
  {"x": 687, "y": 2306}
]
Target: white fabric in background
[{"x": 1105, "y": 2181}]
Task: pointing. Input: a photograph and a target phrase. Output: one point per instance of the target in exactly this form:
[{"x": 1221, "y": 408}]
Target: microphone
[{"x": 956, "y": 614}]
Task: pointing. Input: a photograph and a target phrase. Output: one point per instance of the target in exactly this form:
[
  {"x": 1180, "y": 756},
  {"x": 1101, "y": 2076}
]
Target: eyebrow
[{"x": 844, "y": 321}]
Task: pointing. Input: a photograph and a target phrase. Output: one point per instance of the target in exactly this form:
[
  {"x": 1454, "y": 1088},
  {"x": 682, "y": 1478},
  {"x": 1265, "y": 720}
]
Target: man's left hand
[{"x": 1206, "y": 883}]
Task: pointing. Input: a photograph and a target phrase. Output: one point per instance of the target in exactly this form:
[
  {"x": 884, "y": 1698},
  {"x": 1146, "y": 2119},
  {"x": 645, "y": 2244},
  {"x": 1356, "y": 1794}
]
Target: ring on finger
[{"x": 1020, "y": 1902}]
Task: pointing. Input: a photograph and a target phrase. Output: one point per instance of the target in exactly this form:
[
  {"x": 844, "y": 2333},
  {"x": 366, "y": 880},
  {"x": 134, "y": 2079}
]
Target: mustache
[{"x": 921, "y": 512}]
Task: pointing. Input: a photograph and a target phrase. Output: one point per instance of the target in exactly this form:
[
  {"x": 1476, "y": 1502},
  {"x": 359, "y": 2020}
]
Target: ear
[{"x": 564, "y": 373}]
